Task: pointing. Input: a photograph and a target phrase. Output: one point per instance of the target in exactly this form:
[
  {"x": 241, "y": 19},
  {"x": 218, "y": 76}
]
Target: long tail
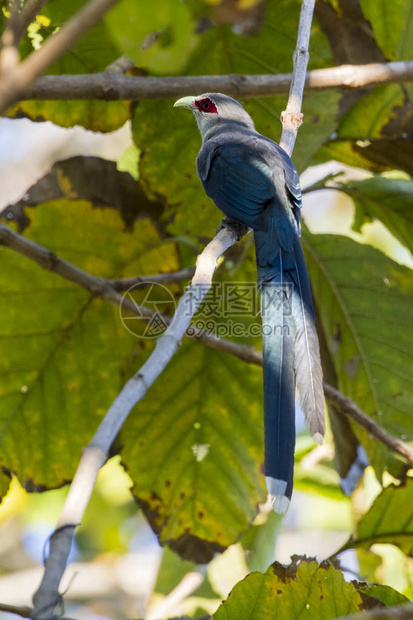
[
  {"x": 307, "y": 363},
  {"x": 291, "y": 357},
  {"x": 279, "y": 389}
]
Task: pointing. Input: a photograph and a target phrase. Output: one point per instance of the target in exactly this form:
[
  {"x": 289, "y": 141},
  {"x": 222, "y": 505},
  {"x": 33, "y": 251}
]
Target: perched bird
[{"x": 254, "y": 182}]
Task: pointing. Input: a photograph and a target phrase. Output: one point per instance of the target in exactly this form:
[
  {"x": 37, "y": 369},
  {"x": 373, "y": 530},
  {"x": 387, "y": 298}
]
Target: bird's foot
[{"x": 238, "y": 229}]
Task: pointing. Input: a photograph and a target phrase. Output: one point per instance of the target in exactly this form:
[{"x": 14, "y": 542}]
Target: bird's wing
[
  {"x": 292, "y": 179},
  {"x": 237, "y": 179}
]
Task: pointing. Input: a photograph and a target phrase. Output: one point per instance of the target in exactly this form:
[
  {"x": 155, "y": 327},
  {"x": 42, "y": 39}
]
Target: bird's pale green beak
[{"x": 185, "y": 102}]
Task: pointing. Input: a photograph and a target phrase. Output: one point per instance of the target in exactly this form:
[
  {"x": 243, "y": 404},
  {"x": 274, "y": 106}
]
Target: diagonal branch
[
  {"x": 400, "y": 612},
  {"x": 96, "y": 453},
  {"x": 27, "y": 15},
  {"x": 349, "y": 408},
  {"x": 17, "y": 79},
  {"x": 110, "y": 86}
]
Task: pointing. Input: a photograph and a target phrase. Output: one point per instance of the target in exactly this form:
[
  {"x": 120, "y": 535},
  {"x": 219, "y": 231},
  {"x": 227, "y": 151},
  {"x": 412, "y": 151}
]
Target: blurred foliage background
[{"x": 178, "y": 516}]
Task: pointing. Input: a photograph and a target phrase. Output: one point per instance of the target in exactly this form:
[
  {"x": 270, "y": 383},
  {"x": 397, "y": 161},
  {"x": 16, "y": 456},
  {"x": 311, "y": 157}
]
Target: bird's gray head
[{"x": 213, "y": 111}]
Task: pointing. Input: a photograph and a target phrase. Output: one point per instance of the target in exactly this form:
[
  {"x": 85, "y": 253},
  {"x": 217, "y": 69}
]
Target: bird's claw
[{"x": 238, "y": 229}]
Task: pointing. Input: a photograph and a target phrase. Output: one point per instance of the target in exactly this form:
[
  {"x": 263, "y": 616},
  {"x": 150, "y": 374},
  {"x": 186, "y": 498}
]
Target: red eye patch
[{"x": 206, "y": 105}]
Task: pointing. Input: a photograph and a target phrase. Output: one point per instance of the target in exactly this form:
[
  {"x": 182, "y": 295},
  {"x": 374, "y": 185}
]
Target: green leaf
[
  {"x": 194, "y": 447},
  {"x": 129, "y": 161},
  {"x": 389, "y": 200},
  {"x": 100, "y": 116},
  {"x": 91, "y": 53},
  {"x": 387, "y": 595},
  {"x": 62, "y": 352},
  {"x": 389, "y": 520},
  {"x": 169, "y": 138},
  {"x": 366, "y": 118},
  {"x": 388, "y": 22},
  {"x": 310, "y": 590},
  {"x": 405, "y": 45},
  {"x": 350, "y": 153},
  {"x": 365, "y": 302},
  {"x": 158, "y": 35}
]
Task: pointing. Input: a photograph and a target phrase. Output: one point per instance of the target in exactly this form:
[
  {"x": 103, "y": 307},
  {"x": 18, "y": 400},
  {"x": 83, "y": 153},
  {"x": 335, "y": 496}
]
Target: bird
[{"x": 253, "y": 181}]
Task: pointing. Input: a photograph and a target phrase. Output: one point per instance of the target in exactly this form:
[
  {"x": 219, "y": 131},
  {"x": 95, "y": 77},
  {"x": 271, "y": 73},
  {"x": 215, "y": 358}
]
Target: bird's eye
[{"x": 206, "y": 105}]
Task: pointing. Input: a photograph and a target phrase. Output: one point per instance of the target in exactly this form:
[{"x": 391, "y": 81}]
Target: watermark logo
[
  {"x": 157, "y": 299},
  {"x": 226, "y": 309}
]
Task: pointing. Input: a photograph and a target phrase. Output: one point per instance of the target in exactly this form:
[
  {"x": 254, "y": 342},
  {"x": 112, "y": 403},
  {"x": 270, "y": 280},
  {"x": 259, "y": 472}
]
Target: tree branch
[
  {"x": 292, "y": 117},
  {"x": 28, "y": 14},
  {"x": 123, "y": 284},
  {"x": 17, "y": 79},
  {"x": 349, "y": 408},
  {"x": 401, "y": 612},
  {"x": 111, "y": 86},
  {"x": 23, "y": 612}
]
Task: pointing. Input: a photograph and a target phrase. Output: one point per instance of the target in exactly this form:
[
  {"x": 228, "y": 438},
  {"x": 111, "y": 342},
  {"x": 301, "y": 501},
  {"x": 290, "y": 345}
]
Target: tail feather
[
  {"x": 307, "y": 362},
  {"x": 279, "y": 390}
]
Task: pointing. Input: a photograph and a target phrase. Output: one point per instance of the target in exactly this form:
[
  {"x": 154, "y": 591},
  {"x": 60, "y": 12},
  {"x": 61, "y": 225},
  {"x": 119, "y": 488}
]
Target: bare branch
[
  {"x": 17, "y": 79},
  {"x": 349, "y": 408},
  {"x": 401, "y": 612},
  {"x": 96, "y": 453},
  {"x": 292, "y": 117},
  {"x": 28, "y": 14},
  {"x": 23, "y": 612},
  {"x": 112, "y": 86},
  {"x": 9, "y": 54},
  {"x": 123, "y": 284},
  {"x": 98, "y": 287},
  {"x": 120, "y": 65}
]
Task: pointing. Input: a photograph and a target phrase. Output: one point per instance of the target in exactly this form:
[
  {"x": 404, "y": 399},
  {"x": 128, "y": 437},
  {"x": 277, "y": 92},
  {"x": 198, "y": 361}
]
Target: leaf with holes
[
  {"x": 305, "y": 590},
  {"x": 194, "y": 447}
]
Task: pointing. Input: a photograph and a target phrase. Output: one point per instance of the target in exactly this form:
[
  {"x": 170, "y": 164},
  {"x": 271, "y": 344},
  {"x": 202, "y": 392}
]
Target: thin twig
[
  {"x": 98, "y": 287},
  {"x": 9, "y": 53},
  {"x": 188, "y": 584},
  {"x": 123, "y": 284},
  {"x": 401, "y": 612},
  {"x": 19, "y": 78},
  {"x": 349, "y": 408},
  {"x": 23, "y": 612},
  {"x": 292, "y": 117},
  {"x": 28, "y": 14},
  {"x": 110, "y": 86},
  {"x": 96, "y": 453},
  {"x": 120, "y": 66}
]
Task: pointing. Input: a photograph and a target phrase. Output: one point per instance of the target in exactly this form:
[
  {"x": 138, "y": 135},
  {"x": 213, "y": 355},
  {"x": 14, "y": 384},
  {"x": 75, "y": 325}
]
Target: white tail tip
[
  {"x": 276, "y": 491},
  {"x": 318, "y": 438}
]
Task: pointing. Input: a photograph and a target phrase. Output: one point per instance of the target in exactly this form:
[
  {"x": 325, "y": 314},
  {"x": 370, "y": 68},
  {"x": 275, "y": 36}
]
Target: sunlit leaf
[
  {"x": 367, "y": 117},
  {"x": 389, "y": 24},
  {"x": 63, "y": 353},
  {"x": 194, "y": 448},
  {"x": 386, "y": 199},
  {"x": 389, "y": 520},
  {"x": 310, "y": 590}
]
